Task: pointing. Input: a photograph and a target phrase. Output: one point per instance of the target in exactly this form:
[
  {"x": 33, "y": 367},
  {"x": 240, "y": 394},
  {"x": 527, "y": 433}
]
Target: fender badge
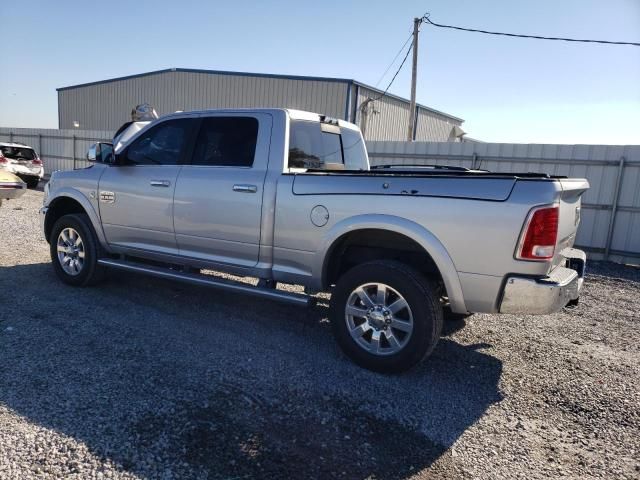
[{"x": 107, "y": 197}]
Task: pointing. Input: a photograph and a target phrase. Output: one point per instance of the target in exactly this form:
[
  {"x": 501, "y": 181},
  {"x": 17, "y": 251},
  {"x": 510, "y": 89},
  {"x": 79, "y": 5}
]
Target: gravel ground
[{"x": 143, "y": 378}]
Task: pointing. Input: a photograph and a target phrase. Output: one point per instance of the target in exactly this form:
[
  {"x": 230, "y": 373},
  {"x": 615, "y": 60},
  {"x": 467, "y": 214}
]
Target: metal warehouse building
[{"x": 105, "y": 105}]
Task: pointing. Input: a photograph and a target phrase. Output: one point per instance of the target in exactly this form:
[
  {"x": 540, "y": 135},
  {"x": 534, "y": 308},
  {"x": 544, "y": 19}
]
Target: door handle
[
  {"x": 159, "y": 183},
  {"x": 245, "y": 188}
]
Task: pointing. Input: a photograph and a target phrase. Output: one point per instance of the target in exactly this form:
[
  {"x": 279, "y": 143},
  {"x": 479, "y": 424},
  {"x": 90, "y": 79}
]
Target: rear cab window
[{"x": 319, "y": 146}]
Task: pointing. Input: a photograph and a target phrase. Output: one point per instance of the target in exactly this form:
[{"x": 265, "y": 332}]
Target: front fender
[
  {"x": 412, "y": 230},
  {"x": 85, "y": 203}
]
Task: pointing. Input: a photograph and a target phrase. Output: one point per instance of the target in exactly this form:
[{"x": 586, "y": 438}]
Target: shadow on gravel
[
  {"x": 158, "y": 379},
  {"x": 449, "y": 327},
  {"x": 614, "y": 271}
]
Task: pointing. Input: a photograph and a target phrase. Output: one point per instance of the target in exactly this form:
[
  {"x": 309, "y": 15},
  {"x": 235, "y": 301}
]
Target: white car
[{"x": 22, "y": 161}]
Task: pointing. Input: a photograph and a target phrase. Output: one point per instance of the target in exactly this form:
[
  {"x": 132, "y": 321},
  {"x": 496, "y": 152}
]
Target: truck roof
[{"x": 292, "y": 113}]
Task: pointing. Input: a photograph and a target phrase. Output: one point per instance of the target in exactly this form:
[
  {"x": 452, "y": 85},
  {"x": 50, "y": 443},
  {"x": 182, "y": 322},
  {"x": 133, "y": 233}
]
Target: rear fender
[{"x": 412, "y": 230}]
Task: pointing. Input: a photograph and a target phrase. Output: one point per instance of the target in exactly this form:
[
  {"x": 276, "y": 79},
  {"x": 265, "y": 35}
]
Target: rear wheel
[
  {"x": 386, "y": 316},
  {"x": 75, "y": 251}
]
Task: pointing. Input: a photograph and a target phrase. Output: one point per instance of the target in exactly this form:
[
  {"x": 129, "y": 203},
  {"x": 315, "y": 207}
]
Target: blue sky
[{"x": 510, "y": 90}]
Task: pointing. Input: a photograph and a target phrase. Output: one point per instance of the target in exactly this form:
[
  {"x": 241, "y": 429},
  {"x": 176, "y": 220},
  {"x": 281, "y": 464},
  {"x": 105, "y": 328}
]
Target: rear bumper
[
  {"x": 12, "y": 190},
  {"x": 541, "y": 296}
]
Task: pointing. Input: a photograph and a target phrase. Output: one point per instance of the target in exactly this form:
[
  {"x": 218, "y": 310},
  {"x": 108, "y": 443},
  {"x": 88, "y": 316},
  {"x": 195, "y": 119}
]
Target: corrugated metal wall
[
  {"x": 433, "y": 127},
  {"x": 106, "y": 106},
  {"x": 388, "y": 119},
  {"x": 600, "y": 164}
]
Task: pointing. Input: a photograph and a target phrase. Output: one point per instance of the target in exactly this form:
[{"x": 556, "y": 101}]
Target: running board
[{"x": 209, "y": 281}]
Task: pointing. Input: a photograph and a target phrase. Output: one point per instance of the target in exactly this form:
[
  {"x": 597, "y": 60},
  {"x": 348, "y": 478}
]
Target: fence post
[
  {"x": 614, "y": 209},
  {"x": 74, "y": 152},
  {"x": 40, "y": 145},
  {"x": 10, "y": 136}
]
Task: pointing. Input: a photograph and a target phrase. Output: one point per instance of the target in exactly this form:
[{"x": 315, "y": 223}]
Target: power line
[
  {"x": 363, "y": 105},
  {"x": 397, "y": 71},
  {"x": 537, "y": 37},
  {"x": 396, "y": 74},
  {"x": 394, "y": 59},
  {"x": 425, "y": 18}
]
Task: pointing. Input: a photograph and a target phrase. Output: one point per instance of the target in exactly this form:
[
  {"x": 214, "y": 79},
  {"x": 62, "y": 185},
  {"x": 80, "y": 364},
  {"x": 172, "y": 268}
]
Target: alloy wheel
[
  {"x": 379, "y": 319},
  {"x": 71, "y": 251}
]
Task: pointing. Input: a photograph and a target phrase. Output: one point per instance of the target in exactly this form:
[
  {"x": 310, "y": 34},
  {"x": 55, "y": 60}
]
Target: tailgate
[
  {"x": 23, "y": 166},
  {"x": 570, "y": 214}
]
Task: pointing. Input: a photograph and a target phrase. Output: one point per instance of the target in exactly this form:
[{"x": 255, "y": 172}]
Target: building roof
[{"x": 264, "y": 75}]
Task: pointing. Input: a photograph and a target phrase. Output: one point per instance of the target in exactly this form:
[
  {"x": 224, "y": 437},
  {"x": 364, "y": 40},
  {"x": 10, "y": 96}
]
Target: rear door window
[{"x": 226, "y": 142}]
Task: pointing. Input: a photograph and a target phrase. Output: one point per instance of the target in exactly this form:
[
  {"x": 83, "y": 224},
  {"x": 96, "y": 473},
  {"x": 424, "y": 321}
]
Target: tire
[
  {"x": 401, "y": 348},
  {"x": 86, "y": 252},
  {"x": 32, "y": 182}
]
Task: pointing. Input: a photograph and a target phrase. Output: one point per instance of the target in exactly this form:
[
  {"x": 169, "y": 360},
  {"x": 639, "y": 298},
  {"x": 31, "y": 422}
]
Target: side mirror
[
  {"x": 91, "y": 154},
  {"x": 101, "y": 152}
]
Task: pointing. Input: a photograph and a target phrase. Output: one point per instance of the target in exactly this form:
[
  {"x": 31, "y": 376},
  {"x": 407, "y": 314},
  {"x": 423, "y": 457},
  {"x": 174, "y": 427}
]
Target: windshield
[{"x": 18, "y": 153}]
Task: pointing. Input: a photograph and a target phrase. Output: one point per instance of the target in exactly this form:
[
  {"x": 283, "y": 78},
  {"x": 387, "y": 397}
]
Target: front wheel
[
  {"x": 75, "y": 251},
  {"x": 386, "y": 316}
]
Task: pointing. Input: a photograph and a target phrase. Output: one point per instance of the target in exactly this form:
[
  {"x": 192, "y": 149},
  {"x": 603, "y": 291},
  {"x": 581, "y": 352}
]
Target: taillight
[
  {"x": 2, "y": 159},
  {"x": 37, "y": 161},
  {"x": 538, "y": 240}
]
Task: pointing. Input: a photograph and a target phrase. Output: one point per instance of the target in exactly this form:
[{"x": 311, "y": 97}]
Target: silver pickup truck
[{"x": 289, "y": 197}]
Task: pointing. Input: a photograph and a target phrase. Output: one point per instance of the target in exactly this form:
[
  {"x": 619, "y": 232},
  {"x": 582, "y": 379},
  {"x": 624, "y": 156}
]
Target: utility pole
[{"x": 414, "y": 75}]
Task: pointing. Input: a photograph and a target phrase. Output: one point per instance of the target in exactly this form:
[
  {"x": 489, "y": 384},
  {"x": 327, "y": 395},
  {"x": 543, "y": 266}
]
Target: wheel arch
[
  {"x": 410, "y": 234},
  {"x": 71, "y": 202}
]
